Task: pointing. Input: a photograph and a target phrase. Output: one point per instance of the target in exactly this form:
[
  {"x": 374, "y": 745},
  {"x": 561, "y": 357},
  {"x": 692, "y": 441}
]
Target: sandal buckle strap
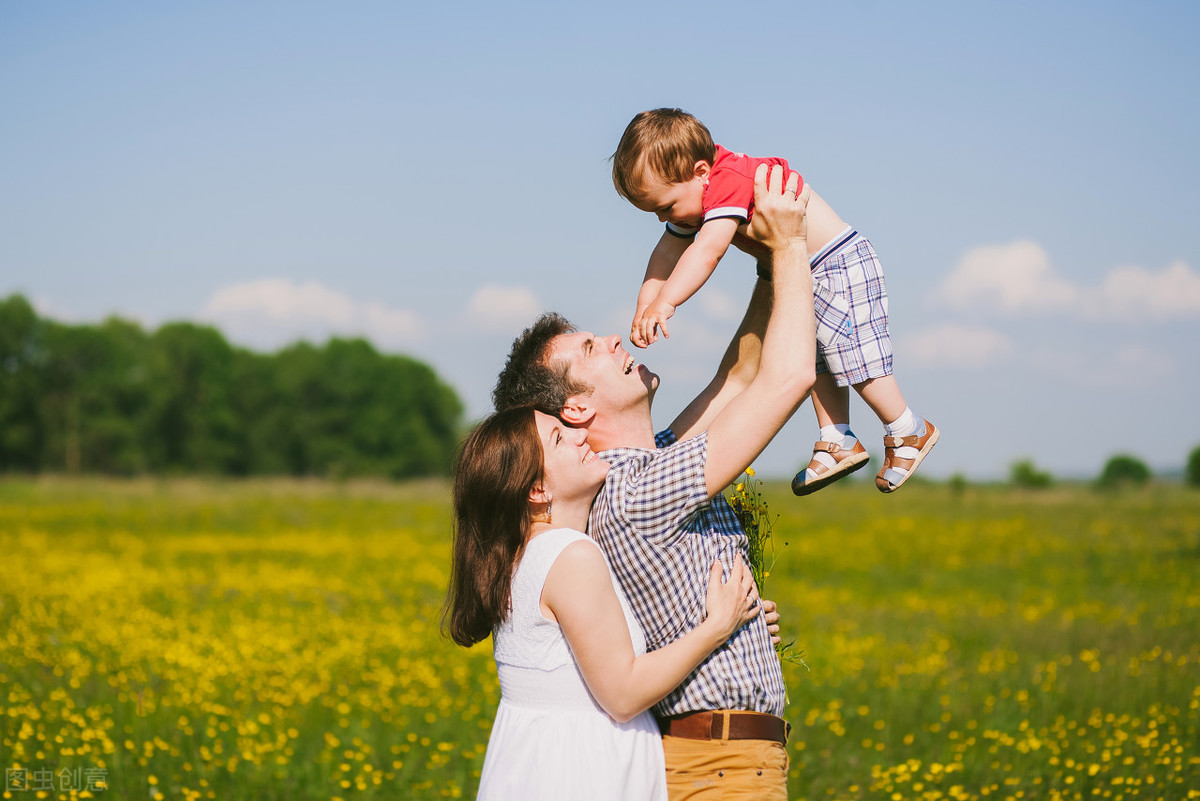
[{"x": 900, "y": 442}]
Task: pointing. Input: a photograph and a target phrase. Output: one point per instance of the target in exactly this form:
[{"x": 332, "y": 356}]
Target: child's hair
[{"x": 665, "y": 143}]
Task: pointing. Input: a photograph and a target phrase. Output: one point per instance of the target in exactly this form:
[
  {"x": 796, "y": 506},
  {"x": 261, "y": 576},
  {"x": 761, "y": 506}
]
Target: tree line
[
  {"x": 115, "y": 398},
  {"x": 1121, "y": 470}
]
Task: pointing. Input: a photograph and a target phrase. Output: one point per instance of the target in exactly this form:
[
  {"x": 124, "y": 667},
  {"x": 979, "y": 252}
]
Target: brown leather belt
[{"x": 725, "y": 725}]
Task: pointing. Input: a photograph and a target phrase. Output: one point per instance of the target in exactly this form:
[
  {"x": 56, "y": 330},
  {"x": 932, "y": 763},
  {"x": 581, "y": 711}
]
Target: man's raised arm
[
  {"x": 787, "y": 362},
  {"x": 738, "y": 367}
]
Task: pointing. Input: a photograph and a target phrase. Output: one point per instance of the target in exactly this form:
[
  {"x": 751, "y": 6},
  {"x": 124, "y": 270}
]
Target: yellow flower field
[{"x": 279, "y": 639}]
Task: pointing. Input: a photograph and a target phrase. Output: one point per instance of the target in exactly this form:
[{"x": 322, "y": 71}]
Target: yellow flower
[{"x": 750, "y": 471}]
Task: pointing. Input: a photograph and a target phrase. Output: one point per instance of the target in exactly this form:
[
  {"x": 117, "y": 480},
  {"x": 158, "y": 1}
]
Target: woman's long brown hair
[{"x": 499, "y": 464}]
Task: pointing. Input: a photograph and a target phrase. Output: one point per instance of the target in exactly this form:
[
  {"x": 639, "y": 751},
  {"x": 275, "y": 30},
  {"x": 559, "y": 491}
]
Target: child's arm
[
  {"x": 662, "y": 261},
  {"x": 692, "y": 269}
]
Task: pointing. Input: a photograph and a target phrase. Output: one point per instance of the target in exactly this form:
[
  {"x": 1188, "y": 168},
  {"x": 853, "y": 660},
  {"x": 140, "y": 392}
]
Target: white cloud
[
  {"x": 1134, "y": 291},
  {"x": 274, "y": 311},
  {"x": 502, "y": 309},
  {"x": 956, "y": 346},
  {"x": 390, "y": 325},
  {"x": 281, "y": 300},
  {"x": 1014, "y": 278},
  {"x": 1018, "y": 279},
  {"x": 45, "y": 307}
]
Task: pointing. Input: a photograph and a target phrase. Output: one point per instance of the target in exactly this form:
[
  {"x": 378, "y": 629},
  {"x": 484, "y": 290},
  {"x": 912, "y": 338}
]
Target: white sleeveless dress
[{"x": 551, "y": 740}]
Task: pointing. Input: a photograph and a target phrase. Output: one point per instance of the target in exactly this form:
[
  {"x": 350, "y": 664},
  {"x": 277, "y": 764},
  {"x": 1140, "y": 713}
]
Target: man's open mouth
[{"x": 629, "y": 362}]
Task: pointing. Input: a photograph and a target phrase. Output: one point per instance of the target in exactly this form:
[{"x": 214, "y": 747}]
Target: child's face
[{"x": 680, "y": 203}]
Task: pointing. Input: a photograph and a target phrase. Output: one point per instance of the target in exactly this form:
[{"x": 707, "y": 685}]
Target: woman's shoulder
[
  {"x": 543, "y": 551},
  {"x": 576, "y": 571},
  {"x": 560, "y": 537}
]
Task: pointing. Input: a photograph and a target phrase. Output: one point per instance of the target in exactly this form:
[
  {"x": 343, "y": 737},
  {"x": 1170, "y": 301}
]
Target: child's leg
[
  {"x": 861, "y": 353},
  {"x": 909, "y": 437},
  {"x": 830, "y": 402},
  {"x": 838, "y": 453},
  {"x": 884, "y": 397}
]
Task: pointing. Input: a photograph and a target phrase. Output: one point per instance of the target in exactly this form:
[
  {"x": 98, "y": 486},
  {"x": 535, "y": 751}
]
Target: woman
[{"x": 576, "y": 682}]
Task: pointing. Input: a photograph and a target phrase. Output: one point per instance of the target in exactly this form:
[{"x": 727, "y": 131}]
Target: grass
[{"x": 278, "y": 639}]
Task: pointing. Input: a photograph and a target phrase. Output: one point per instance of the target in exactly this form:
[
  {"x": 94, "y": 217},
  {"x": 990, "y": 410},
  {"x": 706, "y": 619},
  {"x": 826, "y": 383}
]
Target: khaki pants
[{"x": 730, "y": 770}]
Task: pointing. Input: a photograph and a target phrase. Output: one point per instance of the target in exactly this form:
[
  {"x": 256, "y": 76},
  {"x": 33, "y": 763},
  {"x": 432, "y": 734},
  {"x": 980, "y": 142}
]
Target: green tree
[
  {"x": 355, "y": 411},
  {"x": 1192, "y": 473},
  {"x": 1124, "y": 469},
  {"x": 431, "y": 423},
  {"x": 22, "y": 430},
  {"x": 113, "y": 398},
  {"x": 192, "y": 425},
  {"x": 264, "y": 433},
  {"x": 95, "y": 397},
  {"x": 1025, "y": 474}
]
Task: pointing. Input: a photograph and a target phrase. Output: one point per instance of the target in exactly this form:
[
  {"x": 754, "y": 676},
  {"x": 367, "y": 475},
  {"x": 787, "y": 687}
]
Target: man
[{"x": 660, "y": 517}]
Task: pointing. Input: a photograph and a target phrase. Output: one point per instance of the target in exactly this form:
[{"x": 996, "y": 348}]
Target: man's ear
[
  {"x": 578, "y": 411},
  {"x": 701, "y": 169}
]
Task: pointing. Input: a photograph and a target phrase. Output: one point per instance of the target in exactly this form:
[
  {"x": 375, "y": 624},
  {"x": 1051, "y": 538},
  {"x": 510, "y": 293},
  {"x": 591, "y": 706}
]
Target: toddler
[{"x": 667, "y": 164}]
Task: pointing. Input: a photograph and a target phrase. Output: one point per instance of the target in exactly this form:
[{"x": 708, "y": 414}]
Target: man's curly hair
[{"x": 529, "y": 379}]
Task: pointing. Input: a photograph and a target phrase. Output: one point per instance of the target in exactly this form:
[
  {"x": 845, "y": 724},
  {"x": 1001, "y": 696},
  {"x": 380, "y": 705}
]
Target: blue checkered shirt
[{"x": 660, "y": 532}]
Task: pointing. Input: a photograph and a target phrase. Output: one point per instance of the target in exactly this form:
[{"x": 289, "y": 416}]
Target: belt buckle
[{"x": 719, "y": 727}]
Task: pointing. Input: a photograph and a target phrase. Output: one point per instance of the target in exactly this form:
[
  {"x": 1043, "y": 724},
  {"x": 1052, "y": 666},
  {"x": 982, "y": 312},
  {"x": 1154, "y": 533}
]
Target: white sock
[
  {"x": 906, "y": 424},
  {"x": 838, "y": 433}
]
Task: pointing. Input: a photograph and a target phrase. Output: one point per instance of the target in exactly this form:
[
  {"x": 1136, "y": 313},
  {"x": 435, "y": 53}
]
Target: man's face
[{"x": 618, "y": 381}]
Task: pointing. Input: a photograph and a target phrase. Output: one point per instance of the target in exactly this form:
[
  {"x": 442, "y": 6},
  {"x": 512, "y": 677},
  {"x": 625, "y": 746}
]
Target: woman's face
[{"x": 572, "y": 469}]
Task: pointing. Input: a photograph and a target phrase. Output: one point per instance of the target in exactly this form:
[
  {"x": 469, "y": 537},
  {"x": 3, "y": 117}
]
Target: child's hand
[
  {"x": 635, "y": 329},
  {"x": 654, "y": 317}
]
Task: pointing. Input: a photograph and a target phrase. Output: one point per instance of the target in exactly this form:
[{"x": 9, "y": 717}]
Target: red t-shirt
[{"x": 730, "y": 190}]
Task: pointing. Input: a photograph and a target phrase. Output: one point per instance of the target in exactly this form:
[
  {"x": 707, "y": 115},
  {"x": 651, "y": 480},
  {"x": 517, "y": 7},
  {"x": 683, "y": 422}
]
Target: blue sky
[{"x": 432, "y": 175}]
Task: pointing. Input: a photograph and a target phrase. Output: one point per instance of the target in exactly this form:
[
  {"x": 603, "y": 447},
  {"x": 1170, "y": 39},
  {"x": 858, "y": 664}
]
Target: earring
[{"x": 543, "y": 517}]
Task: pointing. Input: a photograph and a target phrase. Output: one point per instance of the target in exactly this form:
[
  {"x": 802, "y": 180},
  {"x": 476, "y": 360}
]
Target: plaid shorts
[{"x": 852, "y": 311}]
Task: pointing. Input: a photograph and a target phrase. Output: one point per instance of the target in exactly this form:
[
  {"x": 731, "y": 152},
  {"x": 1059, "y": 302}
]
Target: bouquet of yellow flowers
[{"x": 747, "y": 501}]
